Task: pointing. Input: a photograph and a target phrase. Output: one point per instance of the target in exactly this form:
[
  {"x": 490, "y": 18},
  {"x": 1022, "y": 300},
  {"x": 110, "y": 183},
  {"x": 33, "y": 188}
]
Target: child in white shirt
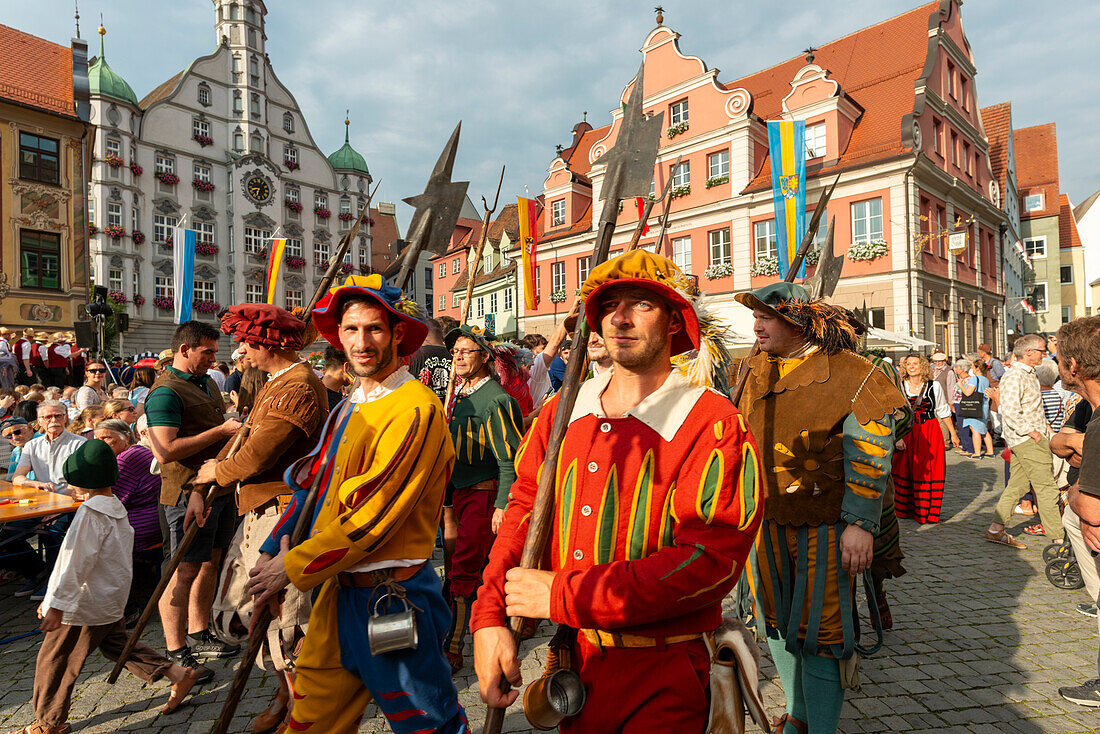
[{"x": 86, "y": 596}]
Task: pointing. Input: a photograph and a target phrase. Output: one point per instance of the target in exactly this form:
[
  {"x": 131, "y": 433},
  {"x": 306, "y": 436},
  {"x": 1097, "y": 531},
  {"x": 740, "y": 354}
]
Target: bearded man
[
  {"x": 657, "y": 503},
  {"x": 383, "y": 463}
]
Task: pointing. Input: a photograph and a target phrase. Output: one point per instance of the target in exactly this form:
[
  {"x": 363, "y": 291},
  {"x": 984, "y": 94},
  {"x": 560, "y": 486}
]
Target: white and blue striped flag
[{"x": 183, "y": 264}]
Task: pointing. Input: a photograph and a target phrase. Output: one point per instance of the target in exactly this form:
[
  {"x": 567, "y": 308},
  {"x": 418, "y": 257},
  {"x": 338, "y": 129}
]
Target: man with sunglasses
[
  {"x": 1027, "y": 434},
  {"x": 93, "y": 392},
  {"x": 18, "y": 557}
]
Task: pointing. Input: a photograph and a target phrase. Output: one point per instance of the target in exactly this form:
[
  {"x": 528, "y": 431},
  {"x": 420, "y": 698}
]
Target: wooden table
[{"x": 41, "y": 503}]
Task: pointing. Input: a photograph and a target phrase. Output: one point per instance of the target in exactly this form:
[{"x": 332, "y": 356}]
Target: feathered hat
[
  {"x": 326, "y": 316},
  {"x": 824, "y": 325}
]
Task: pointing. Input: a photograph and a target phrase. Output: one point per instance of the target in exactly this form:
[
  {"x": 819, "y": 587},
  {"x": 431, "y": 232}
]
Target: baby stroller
[{"x": 1062, "y": 569}]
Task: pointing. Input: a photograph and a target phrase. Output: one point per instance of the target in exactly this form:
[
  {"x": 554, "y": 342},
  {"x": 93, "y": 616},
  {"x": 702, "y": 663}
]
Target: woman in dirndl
[{"x": 920, "y": 460}]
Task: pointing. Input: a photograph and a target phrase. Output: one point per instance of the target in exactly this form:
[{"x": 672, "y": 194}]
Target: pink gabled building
[{"x": 892, "y": 108}]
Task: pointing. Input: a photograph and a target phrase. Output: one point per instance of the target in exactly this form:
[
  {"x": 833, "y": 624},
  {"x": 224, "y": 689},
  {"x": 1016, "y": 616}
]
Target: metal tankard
[{"x": 390, "y": 632}]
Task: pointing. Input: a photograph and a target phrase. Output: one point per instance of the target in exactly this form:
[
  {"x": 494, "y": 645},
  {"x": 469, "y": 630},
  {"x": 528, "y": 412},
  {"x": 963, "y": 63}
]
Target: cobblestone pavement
[{"x": 981, "y": 643}]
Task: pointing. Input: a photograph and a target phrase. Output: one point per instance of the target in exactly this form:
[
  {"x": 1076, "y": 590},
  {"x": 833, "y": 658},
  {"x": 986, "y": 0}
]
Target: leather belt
[
  {"x": 487, "y": 484},
  {"x": 602, "y": 638},
  {"x": 367, "y": 579}
]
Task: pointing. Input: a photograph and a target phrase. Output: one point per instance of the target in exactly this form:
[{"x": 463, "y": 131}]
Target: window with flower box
[
  {"x": 294, "y": 299},
  {"x": 113, "y": 146},
  {"x": 681, "y": 253},
  {"x": 204, "y": 291},
  {"x": 253, "y": 293},
  {"x": 557, "y": 277},
  {"x": 290, "y": 155},
  {"x": 320, "y": 254},
  {"x": 162, "y": 287},
  {"x": 91, "y": 210},
  {"x": 719, "y": 246},
  {"x": 320, "y": 200},
  {"x": 114, "y": 214},
  {"x": 678, "y": 112},
  {"x": 255, "y": 240},
  {"x": 718, "y": 165},
  {"x": 557, "y": 213},
  {"x": 204, "y": 232},
  {"x": 165, "y": 164},
  {"x": 39, "y": 159},
  {"x": 200, "y": 128},
  {"x": 765, "y": 239},
  {"x": 681, "y": 175},
  {"x": 163, "y": 226},
  {"x": 135, "y": 219},
  {"x": 114, "y": 279},
  {"x": 867, "y": 220},
  {"x": 508, "y": 300},
  {"x": 137, "y": 283},
  {"x": 201, "y": 171},
  {"x": 293, "y": 247}
]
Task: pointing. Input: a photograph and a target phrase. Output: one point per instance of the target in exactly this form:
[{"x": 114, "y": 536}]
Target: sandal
[
  {"x": 1036, "y": 529},
  {"x": 1003, "y": 538},
  {"x": 1019, "y": 510},
  {"x": 779, "y": 725}
]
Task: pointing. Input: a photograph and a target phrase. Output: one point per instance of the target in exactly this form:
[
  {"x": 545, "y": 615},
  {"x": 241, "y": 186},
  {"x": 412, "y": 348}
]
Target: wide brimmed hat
[
  {"x": 264, "y": 324},
  {"x": 326, "y": 316},
  {"x": 92, "y": 466},
  {"x": 771, "y": 298},
  {"x": 656, "y": 273},
  {"x": 473, "y": 333},
  {"x": 165, "y": 358}
]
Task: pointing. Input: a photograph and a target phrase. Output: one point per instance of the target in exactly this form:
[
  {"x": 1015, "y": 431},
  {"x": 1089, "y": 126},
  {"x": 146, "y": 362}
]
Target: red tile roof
[
  {"x": 876, "y": 67},
  {"x": 1068, "y": 236},
  {"x": 577, "y": 159},
  {"x": 506, "y": 221},
  {"x": 997, "y": 121},
  {"x": 383, "y": 232},
  {"x": 1037, "y": 166},
  {"x": 36, "y": 72},
  {"x": 583, "y": 224}
]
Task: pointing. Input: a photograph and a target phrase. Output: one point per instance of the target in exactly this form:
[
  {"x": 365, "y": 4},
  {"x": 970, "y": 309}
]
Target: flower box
[
  {"x": 365, "y": 270},
  {"x": 765, "y": 266},
  {"x": 206, "y": 248},
  {"x": 557, "y": 297},
  {"x": 117, "y": 297},
  {"x": 93, "y": 230},
  {"x": 291, "y": 165},
  {"x": 294, "y": 206},
  {"x": 345, "y": 268},
  {"x": 676, "y": 129},
  {"x": 870, "y": 250},
  {"x": 321, "y": 212},
  {"x": 202, "y": 140},
  {"x": 114, "y": 231},
  {"x": 296, "y": 261},
  {"x": 113, "y": 160},
  {"x": 717, "y": 181},
  {"x": 136, "y": 169},
  {"x": 345, "y": 216},
  {"x": 167, "y": 178},
  {"x": 207, "y": 306},
  {"x": 164, "y": 303},
  {"x": 718, "y": 271},
  {"x": 679, "y": 191},
  {"x": 199, "y": 185},
  {"x": 138, "y": 237},
  {"x": 139, "y": 300}
]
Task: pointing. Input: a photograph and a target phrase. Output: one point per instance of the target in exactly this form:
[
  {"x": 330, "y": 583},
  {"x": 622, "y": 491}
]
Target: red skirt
[{"x": 918, "y": 473}]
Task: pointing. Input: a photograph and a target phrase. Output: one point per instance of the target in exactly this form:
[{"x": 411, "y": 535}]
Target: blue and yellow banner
[{"x": 787, "y": 148}]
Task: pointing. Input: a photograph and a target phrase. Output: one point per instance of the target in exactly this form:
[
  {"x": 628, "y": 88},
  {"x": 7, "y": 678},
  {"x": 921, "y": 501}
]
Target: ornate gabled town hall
[
  {"x": 222, "y": 147},
  {"x": 892, "y": 108}
]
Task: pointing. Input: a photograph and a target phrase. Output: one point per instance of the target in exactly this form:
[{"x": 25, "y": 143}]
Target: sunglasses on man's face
[
  {"x": 96, "y": 370},
  {"x": 14, "y": 432}
]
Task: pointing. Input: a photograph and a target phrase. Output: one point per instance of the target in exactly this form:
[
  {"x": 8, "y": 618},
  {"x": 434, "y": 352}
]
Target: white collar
[
  {"x": 395, "y": 380},
  {"x": 110, "y": 506},
  {"x": 664, "y": 410},
  {"x": 476, "y": 387},
  {"x": 280, "y": 373}
]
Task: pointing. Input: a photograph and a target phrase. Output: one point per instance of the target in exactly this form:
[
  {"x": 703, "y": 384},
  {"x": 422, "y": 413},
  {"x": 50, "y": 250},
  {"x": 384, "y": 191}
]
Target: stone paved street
[{"x": 981, "y": 643}]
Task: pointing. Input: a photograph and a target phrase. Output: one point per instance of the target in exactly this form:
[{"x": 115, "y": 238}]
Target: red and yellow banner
[
  {"x": 274, "y": 262},
  {"x": 528, "y": 238}
]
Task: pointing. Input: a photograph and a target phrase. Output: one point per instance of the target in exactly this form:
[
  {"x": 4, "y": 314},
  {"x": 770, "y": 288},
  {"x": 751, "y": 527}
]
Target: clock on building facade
[{"x": 258, "y": 189}]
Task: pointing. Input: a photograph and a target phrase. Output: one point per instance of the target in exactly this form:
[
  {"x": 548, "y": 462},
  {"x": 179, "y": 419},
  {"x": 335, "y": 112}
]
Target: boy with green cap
[{"x": 86, "y": 596}]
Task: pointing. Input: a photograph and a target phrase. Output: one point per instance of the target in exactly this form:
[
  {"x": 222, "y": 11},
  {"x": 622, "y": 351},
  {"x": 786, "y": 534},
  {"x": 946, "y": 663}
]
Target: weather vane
[
  {"x": 809, "y": 54},
  {"x": 660, "y": 15}
]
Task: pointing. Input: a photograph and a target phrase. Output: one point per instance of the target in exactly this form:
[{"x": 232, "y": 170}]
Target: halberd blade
[
  {"x": 635, "y": 151},
  {"x": 438, "y": 207}
]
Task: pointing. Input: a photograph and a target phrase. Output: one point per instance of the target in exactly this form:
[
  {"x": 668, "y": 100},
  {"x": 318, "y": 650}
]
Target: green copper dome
[
  {"x": 103, "y": 80},
  {"x": 347, "y": 158}
]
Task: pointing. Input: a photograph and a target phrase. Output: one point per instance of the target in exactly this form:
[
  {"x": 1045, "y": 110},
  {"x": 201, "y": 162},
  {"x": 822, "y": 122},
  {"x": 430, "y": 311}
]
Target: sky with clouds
[{"x": 520, "y": 74}]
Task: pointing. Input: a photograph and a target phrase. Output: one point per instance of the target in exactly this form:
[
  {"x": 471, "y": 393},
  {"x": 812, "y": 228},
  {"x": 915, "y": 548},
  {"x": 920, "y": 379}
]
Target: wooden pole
[
  {"x": 471, "y": 274},
  {"x": 170, "y": 569},
  {"x": 666, "y": 203}
]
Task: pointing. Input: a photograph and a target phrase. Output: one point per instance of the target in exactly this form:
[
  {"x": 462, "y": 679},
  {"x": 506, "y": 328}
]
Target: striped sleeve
[{"x": 504, "y": 439}]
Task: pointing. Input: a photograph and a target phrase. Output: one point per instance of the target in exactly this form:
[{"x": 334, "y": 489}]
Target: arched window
[
  {"x": 256, "y": 145},
  {"x": 238, "y": 141},
  {"x": 234, "y": 12},
  {"x": 238, "y": 102},
  {"x": 204, "y": 94},
  {"x": 288, "y": 122}
]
